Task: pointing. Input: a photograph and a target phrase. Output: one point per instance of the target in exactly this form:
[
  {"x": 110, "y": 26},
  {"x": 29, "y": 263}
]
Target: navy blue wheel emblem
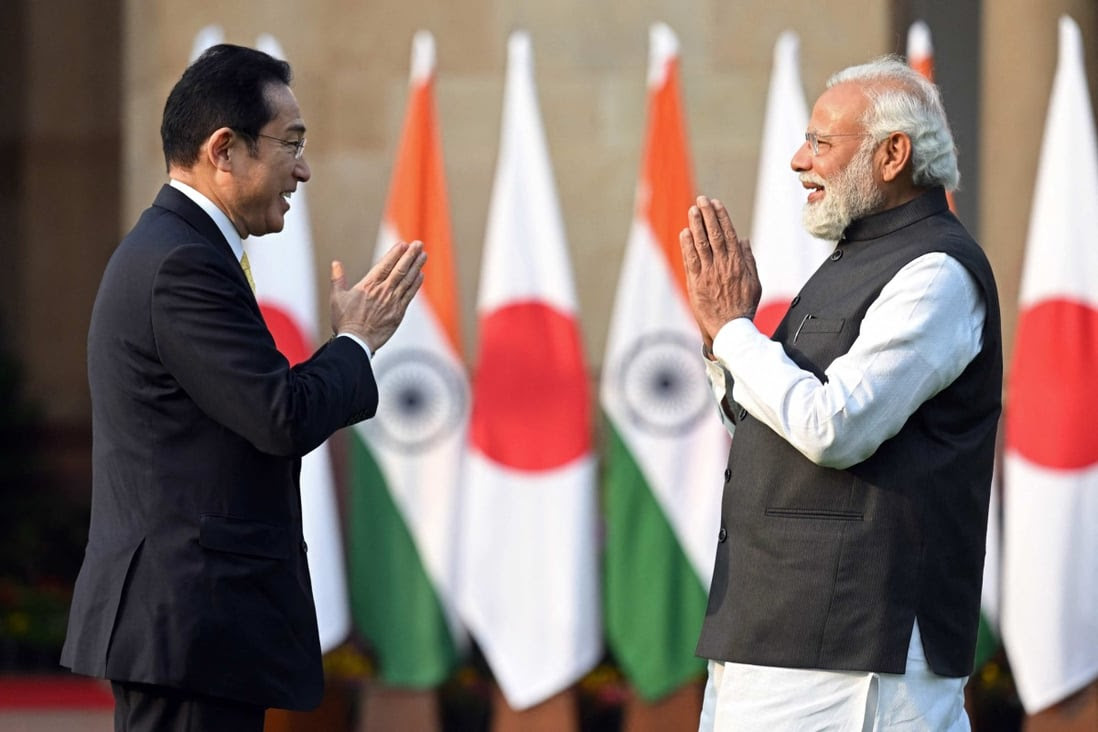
[
  {"x": 422, "y": 398},
  {"x": 662, "y": 382}
]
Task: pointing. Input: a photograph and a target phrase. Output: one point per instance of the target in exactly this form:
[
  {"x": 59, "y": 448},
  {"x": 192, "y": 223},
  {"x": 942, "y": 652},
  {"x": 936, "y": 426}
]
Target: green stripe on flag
[
  {"x": 393, "y": 601},
  {"x": 654, "y": 601}
]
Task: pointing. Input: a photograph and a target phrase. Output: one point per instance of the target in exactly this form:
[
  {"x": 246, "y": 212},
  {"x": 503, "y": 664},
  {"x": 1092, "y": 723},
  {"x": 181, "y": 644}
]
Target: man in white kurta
[{"x": 875, "y": 173}]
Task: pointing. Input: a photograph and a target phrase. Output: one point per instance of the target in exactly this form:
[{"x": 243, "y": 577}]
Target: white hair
[{"x": 902, "y": 100}]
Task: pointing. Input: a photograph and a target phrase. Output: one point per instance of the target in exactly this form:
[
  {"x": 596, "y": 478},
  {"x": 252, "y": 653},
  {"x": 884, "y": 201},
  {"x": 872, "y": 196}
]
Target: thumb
[{"x": 338, "y": 281}]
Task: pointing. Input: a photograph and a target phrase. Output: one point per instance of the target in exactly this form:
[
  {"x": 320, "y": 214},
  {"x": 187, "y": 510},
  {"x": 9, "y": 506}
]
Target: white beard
[{"x": 850, "y": 196}]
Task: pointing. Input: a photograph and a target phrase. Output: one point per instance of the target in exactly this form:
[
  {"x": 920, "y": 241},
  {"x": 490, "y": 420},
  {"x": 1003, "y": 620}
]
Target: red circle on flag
[
  {"x": 530, "y": 393},
  {"x": 1053, "y": 390},
  {"x": 769, "y": 316},
  {"x": 288, "y": 335}
]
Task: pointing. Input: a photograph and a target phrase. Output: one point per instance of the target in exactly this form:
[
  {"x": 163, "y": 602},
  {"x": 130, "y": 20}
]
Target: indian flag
[
  {"x": 1050, "y": 529},
  {"x": 665, "y": 445},
  {"x": 285, "y": 277},
  {"x": 529, "y": 588},
  {"x": 406, "y": 462}
]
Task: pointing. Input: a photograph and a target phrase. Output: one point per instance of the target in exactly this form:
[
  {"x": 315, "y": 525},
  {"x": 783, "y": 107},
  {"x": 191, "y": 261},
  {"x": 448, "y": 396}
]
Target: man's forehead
[
  {"x": 845, "y": 102},
  {"x": 287, "y": 111}
]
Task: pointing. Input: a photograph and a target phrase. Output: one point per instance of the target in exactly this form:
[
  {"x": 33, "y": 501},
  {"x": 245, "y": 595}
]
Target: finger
[
  {"x": 419, "y": 264},
  {"x": 699, "y": 236},
  {"x": 406, "y": 290},
  {"x": 408, "y": 281},
  {"x": 709, "y": 218},
  {"x": 410, "y": 262},
  {"x": 413, "y": 287},
  {"x": 689, "y": 253},
  {"x": 725, "y": 222},
  {"x": 749, "y": 258},
  {"x": 338, "y": 280},
  {"x": 385, "y": 265},
  {"x": 733, "y": 243}
]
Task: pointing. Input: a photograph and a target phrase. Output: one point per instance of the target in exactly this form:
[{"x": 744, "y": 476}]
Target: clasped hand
[
  {"x": 373, "y": 308},
  {"x": 721, "y": 278}
]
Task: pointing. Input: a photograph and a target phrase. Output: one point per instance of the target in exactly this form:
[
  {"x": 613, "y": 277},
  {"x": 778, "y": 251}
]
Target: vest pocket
[
  {"x": 813, "y": 324},
  {"x": 815, "y": 513}
]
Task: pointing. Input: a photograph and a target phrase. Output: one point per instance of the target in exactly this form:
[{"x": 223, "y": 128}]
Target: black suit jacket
[{"x": 195, "y": 574}]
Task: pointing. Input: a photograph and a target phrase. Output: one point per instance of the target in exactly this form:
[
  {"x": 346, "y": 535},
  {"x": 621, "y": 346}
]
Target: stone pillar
[{"x": 68, "y": 202}]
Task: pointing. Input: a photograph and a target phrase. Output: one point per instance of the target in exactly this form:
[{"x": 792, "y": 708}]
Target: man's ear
[
  {"x": 895, "y": 155},
  {"x": 219, "y": 147}
]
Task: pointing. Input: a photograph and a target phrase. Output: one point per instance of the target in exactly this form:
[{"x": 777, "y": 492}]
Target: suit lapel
[{"x": 175, "y": 201}]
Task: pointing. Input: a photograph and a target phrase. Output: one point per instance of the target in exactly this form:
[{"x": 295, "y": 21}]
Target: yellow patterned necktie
[{"x": 247, "y": 270}]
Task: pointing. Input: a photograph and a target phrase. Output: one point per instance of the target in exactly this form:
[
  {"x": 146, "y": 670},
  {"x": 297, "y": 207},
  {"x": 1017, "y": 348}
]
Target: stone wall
[{"x": 88, "y": 80}]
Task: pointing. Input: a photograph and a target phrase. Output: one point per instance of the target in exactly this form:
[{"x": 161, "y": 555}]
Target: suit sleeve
[{"x": 213, "y": 341}]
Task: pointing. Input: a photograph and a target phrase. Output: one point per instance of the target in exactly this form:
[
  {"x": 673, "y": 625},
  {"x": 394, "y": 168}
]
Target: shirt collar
[
  {"x": 219, "y": 217},
  {"x": 885, "y": 222}
]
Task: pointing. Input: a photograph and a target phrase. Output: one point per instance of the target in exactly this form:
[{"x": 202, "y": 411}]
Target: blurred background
[{"x": 83, "y": 85}]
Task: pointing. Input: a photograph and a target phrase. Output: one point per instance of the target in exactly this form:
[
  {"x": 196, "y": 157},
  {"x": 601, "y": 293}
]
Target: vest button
[
  {"x": 727, "y": 474},
  {"x": 723, "y": 535},
  {"x": 794, "y": 302},
  {"x": 304, "y": 547},
  {"x": 836, "y": 255}
]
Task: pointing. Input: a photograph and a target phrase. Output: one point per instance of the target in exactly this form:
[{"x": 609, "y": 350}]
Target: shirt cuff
[
  {"x": 730, "y": 336},
  {"x": 359, "y": 341},
  {"x": 715, "y": 372}
]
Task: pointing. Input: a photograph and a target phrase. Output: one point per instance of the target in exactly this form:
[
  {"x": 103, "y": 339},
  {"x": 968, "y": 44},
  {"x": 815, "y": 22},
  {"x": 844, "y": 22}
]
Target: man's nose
[
  {"x": 802, "y": 159},
  {"x": 302, "y": 171}
]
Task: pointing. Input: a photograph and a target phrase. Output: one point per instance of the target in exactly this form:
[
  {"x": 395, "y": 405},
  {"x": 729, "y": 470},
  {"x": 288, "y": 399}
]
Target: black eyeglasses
[{"x": 297, "y": 145}]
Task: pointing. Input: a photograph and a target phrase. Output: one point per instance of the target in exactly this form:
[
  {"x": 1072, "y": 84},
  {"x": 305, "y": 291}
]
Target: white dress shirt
[
  {"x": 916, "y": 338},
  {"x": 220, "y": 218}
]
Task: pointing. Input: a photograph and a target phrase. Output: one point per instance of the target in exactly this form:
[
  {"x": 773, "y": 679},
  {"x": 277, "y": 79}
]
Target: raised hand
[
  {"x": 721, "y": 278},
  {"x": 374, "y": 307}
]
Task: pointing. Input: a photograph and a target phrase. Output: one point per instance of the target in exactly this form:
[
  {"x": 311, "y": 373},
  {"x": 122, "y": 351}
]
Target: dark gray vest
[{"x": 823, "y": 568}]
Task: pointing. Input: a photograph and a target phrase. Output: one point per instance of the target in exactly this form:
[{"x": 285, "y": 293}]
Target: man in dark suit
[{"x": 194, "y": 597}]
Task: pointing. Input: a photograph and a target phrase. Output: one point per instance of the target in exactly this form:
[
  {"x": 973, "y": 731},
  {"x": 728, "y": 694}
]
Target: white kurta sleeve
[{"x": 916, "y": 338}]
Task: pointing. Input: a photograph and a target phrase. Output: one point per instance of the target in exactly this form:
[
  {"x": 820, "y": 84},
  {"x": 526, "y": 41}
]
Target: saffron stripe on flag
[{"x": 665, "y": 447}]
